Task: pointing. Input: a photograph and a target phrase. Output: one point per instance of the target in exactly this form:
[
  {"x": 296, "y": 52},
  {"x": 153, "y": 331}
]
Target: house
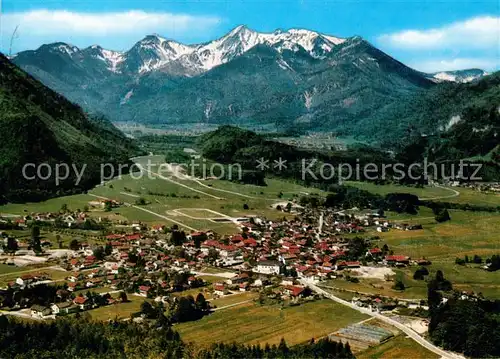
[
  {"x": 64, "y": 308},
  {"x": 219, "y": 289},
  {"x": 244, "y": 287},
  {"x": 240, "y": 278},
  {"x": 39, "y": 311},
  {"x": 72, "y": 286},
  {"x": 374, "y": 252},
  {"x": 268, "y": 267},
  {"x": 343, "y": 264},
  {"x": 414, "y": 227},
  {"x": 25, "y": 280},
  {"x": 397, "y": 260},
  {"x": 294, "y": 291},
  {"x": 144, "y": 289},
  {"x": 82, "y": 302}
]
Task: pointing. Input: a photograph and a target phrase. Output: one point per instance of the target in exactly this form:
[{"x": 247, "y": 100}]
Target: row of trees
[
  {"x": 469, "y": 326},
  {"x": 79, "y": 337}
]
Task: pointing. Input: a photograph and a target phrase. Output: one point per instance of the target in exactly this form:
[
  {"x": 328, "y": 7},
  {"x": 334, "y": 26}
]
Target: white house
[
  {"x": 268, "y": 267},
  {"x": 39, "y": 311}
]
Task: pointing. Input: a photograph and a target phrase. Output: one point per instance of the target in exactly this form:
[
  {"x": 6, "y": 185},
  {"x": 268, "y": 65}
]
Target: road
[
  {"x": 19, "y": 314},
  {"x": 412, "y": 334},
  {"x": 39, "y": 269},
  {"x": 177, "y": 172},
  {"x": 175, "y": 182},
  {"x": 151, "y": 212},
  {"x": 226, "y": 275},
  {"x": 231, "y": 305},
  {"x": 455, "y": 193}
]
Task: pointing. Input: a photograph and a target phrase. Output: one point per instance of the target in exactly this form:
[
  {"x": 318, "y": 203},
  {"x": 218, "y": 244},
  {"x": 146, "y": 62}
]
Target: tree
[
  {"x": 140, "y": 201},
  {"x": 123, "y": 297},
  {"x": 35, "y": 239},
  {"x": 108, "y": 206},
  {"x": 420, "y": 273},
  {"x": 212, "y": 255},
  {"x": 399, "y": 285},
  {"x": 147, "y": 309},
  {"x": 282, "y": 347},
  {"x": 64, "y": 208},
  {"x": 12, "y": 245},
  {"x": 59, "y": 241},
  {"x": 74, "y": 245},
  {"x": 99, "y": 253},
  {"x": 108, "y": 249},
  {"x": 441, "y": 215},
  {"x": 177, "y": 238},
  {"x": 385, "y": 249},
  {"x": 201, "y": 302},
  {"x": 245, "y": 206}
]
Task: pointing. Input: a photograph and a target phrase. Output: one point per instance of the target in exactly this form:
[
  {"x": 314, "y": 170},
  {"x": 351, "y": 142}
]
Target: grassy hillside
[{"x": 40, "y": 126}]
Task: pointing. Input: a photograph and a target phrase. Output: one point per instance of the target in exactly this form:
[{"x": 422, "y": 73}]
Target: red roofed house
[
  {"x": 82, "y": 302},
  {"x": 397, "y": 260},
  {"x": 144, "y": 289},
  {"x": 294, "y": 291},
  {"x": 219, "y": 289}
]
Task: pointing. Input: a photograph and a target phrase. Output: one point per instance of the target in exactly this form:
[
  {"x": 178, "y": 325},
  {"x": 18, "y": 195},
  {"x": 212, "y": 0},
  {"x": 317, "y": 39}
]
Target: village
[{"x": 271, "y": 259}]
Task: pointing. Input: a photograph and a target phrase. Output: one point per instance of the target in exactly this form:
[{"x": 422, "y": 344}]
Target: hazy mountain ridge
[{"x": 295, "y": 79}]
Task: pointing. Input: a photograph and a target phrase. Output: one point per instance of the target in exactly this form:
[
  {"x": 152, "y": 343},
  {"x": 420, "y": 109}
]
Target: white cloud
[
  {"x": 476, "y": 33},
  {"x": 42, "y": 23},
  {"x": 456, "y": 64}
]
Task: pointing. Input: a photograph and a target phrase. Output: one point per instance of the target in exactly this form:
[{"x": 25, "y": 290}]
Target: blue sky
[{"x": 428, "y": 35}]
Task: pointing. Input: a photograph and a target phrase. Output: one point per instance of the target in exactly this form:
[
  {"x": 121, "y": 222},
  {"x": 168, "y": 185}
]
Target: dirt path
[
  {"x": 151, "y": 212},
  {"x": 455, "y": 193},
  {"x": 175, "y": 182}
]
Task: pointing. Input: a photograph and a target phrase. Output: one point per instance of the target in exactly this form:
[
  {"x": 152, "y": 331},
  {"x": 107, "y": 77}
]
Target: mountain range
[{"x": 285, "y": 80}]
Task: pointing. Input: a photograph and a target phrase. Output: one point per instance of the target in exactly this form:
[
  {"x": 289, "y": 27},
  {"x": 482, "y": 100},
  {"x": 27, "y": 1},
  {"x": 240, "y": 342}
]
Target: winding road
[
  {"x": 412, "y": 334},
  {"x": 455, "y": 193}
]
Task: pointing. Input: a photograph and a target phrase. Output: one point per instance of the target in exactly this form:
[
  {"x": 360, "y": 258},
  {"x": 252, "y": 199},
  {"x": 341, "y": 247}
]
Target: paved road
[
  {"x": 412, "y": 334},
  {"x": 17, "y": 313}
]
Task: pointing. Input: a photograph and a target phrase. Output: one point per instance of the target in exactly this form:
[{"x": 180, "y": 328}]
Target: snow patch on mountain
[
  {"x": 68, "y": 49},
  {"x": 203, "y": 57},
  {"x": 127, "y": 97}
]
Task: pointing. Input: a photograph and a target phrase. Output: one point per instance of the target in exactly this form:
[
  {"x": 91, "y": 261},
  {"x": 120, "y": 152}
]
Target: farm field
[
  {"x": 165, "y": 197},
  {"x": 467, "y": 233},
  {"x": 426, "y": 192},
  {"x": 55, "y": 275},
  {"x": 7, "y": 269},
  {"x": 233, "y": 299},
  {"x": 396, "y": 348},
  {"x": 251, "y": 324},
  {"x": 467, "y": 195},
  {"x": 119, "y": 310}
]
